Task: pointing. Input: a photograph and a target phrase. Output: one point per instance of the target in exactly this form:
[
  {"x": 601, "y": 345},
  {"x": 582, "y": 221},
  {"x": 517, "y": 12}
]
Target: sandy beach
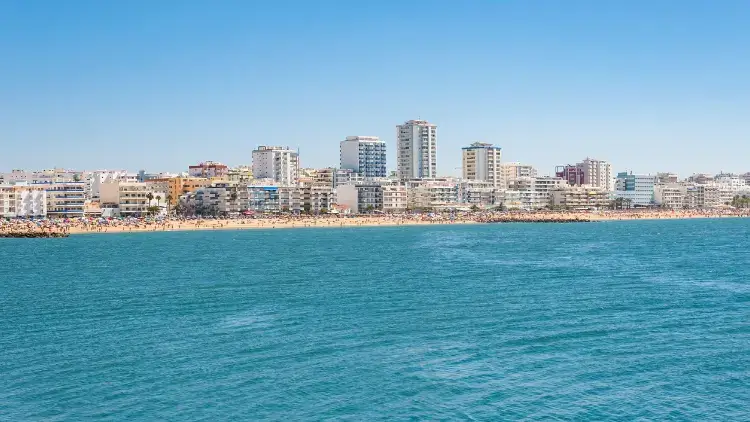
[{"x": 94, "y": 225}]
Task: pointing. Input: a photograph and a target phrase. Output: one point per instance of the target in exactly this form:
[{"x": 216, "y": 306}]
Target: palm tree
[
  {"x": 158, "y": 199},
  {"x": 169, "y": 202},
  {"x": 149, "y": 196}
]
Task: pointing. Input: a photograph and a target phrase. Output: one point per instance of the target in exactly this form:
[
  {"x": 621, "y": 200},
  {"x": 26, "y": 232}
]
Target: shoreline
[{"x": 144, "y": 226}]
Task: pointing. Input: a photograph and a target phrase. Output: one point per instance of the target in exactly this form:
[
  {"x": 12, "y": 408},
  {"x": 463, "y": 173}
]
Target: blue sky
[{"x": 648, "y": 85}]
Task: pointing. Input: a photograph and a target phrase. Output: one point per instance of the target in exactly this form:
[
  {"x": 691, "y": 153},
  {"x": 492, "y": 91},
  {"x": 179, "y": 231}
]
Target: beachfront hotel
[
  {"x": 481, "y": 162},
  {"x": 416, "y": 150},
  {"x": 364, "y": 155},
  {"x": 276, "y": 163}
]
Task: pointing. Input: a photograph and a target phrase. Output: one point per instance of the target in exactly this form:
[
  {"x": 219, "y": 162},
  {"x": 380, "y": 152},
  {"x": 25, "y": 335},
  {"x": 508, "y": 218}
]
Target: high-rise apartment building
[
  {"x": 417, "y": 150},
  {"x": 597, "y": 173},
  {"x": 482, "y": 162},
  {"x": 364, "y": 155},
  {"x": 277, "y": 163}
]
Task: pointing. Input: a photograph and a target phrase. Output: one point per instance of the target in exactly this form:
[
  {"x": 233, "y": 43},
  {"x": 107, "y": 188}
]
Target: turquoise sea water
[{"x": 606, "y": 321}]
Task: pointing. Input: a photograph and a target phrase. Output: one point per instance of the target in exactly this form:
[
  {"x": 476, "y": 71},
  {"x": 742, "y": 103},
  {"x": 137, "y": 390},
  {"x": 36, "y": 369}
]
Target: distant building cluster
[{"x": 275, "y": 183}]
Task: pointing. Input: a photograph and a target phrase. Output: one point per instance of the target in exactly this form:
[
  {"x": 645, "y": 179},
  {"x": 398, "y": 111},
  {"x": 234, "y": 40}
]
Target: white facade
[
  {"x": 482, "y": 162},
  {"x": 417, "y": 150},
  {"x": 395, "y": 198},
  {"x": 22, "y": 200},
  {"x": 277, "y": 163},
  {"x": 532, "y": 193},
  {"x": 479, "y": 193},
  {"x": 513, "y": 171},
  {"x": 219, "y": 198},
  {"x": 364, "y": 155},
  {"x": 131, "y": 198},
  {"x": 671, "y": 195},
  {"x": 433, "y": 195},
  {"x": 580, "y": 197},
  {"x": 95, "y": 179},
  {"x": 361, "y": 197},
  {"x": 597, "y": 173},
  {"x": 65, "y": 199}
]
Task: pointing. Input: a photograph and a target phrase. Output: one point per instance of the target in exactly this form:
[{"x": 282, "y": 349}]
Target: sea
[{"x": 630, "y": 320}]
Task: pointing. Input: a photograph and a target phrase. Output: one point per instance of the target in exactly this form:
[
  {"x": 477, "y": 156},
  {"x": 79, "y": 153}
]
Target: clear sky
[{"x": 656, "y": 85}]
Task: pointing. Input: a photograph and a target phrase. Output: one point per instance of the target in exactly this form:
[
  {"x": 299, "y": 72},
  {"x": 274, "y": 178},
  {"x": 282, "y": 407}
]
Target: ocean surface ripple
[{"x": 631, "y": 320}]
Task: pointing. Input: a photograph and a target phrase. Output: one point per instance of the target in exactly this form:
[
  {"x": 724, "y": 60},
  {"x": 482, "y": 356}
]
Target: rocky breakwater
[
  {"x": 537, "y": 219},
  {"x": 32, "y": 235}
]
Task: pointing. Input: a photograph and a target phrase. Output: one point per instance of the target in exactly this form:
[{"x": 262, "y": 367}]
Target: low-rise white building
[
  {"x": 670, "y": 195},
  {"x": 22, "y": 200},
  {"x": 479, "y": 193},
  {"x": 361, "y": 197},
  {"x": 221, "y": 198},
  {"x": 580, "y": 197},
  {"x": 395, "y": 198},
  {"x": 131, "y": 199},
  {"x": 532, "y": 193},
  {"x": 65, "y": 199},
  {"x": 432, "y": 194}
]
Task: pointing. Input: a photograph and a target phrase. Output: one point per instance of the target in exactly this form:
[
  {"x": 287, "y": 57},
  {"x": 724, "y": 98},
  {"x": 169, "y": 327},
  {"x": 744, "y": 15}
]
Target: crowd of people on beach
[{"x": 165, "y": 223}]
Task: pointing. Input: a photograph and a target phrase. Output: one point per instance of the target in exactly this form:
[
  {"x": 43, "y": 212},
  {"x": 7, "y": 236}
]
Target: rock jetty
[
  {"x": 537, "y": 219},
  {"x": 33, "y": 235}
]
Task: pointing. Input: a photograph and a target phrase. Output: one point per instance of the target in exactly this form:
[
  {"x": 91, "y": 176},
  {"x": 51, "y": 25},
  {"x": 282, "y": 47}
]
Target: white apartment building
[
  {"x": 346, "y": 177},
  {"x": 317, "y": 198},
  {"x": 131, "y": 198},
  {"x": 277, "y": 163},
  {"x": 481, "y": 162},
  {"x": 532, "y": 193},
  {"x": 676, "y": 195},
  {"x": 433, "y": 195},
  {"x": 42, "y": 176},
  {"x": 580, "y": 197},
  {"x": 65, "y": 199},
  {"x": 219, "y": 198},
  {"x": 481, "y": 194},
  {"x": 670, "y": 195},
  {"x": 395, "y": 198},
  {"x": 417, "y": 150},
  {"x": 361, "y": 197},
  {"x": 364, "y": 155},
  {"x": 95, "y": 179},
  {"x": 22, "y": 200},
  {"x": 513, "y": 171},
  {"x": 597, "y": 173}
]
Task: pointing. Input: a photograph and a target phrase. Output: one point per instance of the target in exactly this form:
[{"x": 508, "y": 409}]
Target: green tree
[
  {"x": 474, "y": 208},
  {"x": 150, "y": 197},
  {"x": 158, "y": 200},
  {"x": 169, "y": 202},
  {"x": 324, "y": 210}
]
